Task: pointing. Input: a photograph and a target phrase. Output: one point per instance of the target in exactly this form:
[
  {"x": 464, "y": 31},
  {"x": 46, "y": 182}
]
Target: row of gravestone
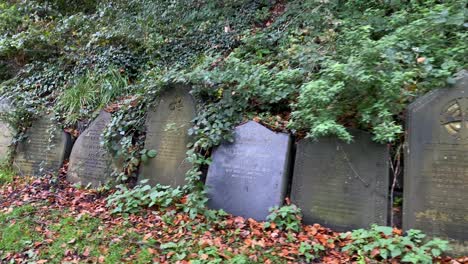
[
  {"x": 340, "y": 185},
  {"x": 46, "y": 146}
]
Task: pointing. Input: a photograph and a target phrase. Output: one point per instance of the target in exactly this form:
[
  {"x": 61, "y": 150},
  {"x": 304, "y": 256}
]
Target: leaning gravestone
[
  {"x": 167, "y": 133},
  {"x": 436, "y": 165},
  {"x": 250, "y": 176},
  {"x": 339, "y": 185},
  {"x": 43, "y": 150},
  {"x": 90, "y": 162}
]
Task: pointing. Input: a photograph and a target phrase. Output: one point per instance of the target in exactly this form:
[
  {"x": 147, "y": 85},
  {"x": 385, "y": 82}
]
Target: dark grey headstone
[
  {"x": 250, "y": 176},
  {"x": 44, "y": 149},
  {"x": 339, "y": 185},
  {"x": 90, "y": 162},
  {"x": 167, "y": 133},
  {"x": 436, "y": 165}
]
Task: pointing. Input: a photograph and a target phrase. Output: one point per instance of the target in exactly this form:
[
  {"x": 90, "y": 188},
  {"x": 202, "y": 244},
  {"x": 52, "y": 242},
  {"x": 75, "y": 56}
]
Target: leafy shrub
[
  {"x": 126, "y": 200},
  {"x": 310, "y": 251},
  {"x": 286, "y": 217},
  {"x": 381, "y": 243},
  {"x": 383, "y": 58}
]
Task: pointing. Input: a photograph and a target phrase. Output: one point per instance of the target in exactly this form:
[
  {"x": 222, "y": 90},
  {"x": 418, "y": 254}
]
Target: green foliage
[
  {"x": 91, "y": 92},
  {"x": 287, "y": 217},
  {"x": 311, "y": 251},
  {"x": 75, "y": 233},
  {"x": 381, "y": 243},
  {"x": 21, "y": 233},
  {"x": 6, "y": 173},
  {"x": 382, "y": 59},
  {"x": 321, "y": 66},
  {"x": 126, "y": 200}
]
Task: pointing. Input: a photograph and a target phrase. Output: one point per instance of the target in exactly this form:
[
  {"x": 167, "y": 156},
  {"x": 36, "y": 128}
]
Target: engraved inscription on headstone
[
  {"x": 436, "y": 165},
  {"x": 90, "y": 163},
  {"x": 250, "y": 176},
  {"x": 167, "y": 133},
  {"x": 43, "y": 150},
  {"x": 339, "y": 185}
]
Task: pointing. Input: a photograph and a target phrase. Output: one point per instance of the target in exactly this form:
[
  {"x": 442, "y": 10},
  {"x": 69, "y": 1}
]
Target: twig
[{"x": 396, "y": 171}]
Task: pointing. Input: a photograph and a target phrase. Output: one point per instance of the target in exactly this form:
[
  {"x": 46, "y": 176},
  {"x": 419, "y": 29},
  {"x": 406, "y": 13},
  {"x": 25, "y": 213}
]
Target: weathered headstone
[
  {"x": 90, "y": 162},
  {"x": 436, "y": 165},
  {"x": 6, "y": 133},
  {"x": 339, "y": 185},
  {"x": 167, "y": 133},
  {"x": 44, "y": 149},
  {"x": 6, "y": 138},
  {"x": 250, "y": 176}
]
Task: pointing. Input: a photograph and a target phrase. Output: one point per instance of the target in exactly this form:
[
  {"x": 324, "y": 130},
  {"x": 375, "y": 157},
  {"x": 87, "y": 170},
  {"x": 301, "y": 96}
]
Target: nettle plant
[
  {"x": 382, "y": 243},
  {"x": 287, "y": 217},
  {"x": 126, "y": 200}
]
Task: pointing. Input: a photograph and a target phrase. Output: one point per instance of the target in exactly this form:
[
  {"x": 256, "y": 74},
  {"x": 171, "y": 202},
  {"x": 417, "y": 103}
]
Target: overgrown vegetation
[
  {"x": 311, "y": 67},
  {"x": 383, "y": 243},
  {"x": 332, "y": 64}
]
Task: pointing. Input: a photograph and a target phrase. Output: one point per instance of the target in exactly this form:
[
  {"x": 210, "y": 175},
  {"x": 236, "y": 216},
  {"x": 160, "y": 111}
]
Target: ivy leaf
[
  {"x": 152, "y": 153},
  {"x": 386, "y": 230},
  {"x": 436, "y": 252}
]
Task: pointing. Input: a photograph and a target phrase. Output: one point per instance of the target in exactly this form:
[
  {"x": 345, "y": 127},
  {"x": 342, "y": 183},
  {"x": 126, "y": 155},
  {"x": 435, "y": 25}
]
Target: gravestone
[
  {"x": 250, "y": 176},
  {"x": 436, "y": 165},
  {"x": 6, "y": 133},
  {"x": 167, "y": 133},
  {"x": 6, "y": 138},
  {"x": 339, "y": 185},
  {"x": 90, "y": 163},
  {"x": 43, "y": 150}
]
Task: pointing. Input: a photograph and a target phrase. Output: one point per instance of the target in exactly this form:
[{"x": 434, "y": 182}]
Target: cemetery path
[{"x": 48, "y": 220}]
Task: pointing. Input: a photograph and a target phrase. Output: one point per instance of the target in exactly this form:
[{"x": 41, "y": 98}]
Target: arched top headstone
[
  {"x": 167, "y": 132},
  {"x": 443, "y": 112},
  {"x": 436, "y": 164},
  {"x": 90, "y": 162},
  {"x": 250, "y": 175}
]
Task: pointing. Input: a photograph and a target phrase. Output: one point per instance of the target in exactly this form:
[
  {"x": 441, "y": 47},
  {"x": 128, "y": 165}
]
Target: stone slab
[
  {"x": 436, "y": 165},
  {"x": 249, "y": 176},
  {"x": 90, "y": 163},
  {"x": 6, "y": 133},
  {"x": 43, "y": 151},
  {"x": 167, "y": 133},
  {"x": 339, "y": 185},
  {"x": 6, "y": 139}
]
